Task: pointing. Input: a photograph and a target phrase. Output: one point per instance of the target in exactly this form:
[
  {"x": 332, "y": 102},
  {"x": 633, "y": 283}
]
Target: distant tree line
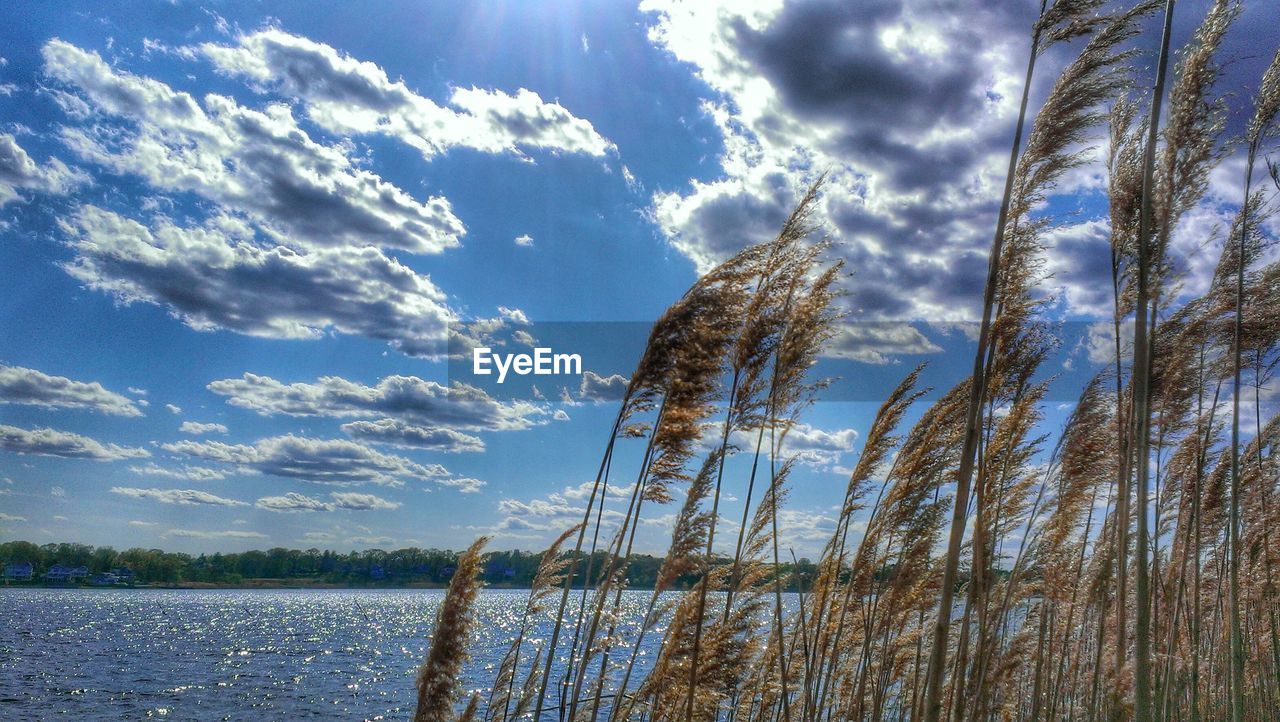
[{"x": 369, "y": 568}]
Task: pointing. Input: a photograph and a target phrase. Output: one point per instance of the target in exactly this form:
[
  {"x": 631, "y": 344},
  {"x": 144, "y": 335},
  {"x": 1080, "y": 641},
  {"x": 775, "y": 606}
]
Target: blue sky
[{"x": 236, "y": 238}]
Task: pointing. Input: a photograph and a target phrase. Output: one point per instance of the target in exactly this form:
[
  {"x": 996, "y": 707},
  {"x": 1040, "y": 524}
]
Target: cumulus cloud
[
  {"x": 322, "y": 461},
  {"x": 525, "y": 240},
  {"x": 1079, "y": 262},
  {"x": 878, "y": 342},
  {"x": 195, "y": 428},
  {"x": 261, "y": 163},
  {"x": 19, "y": 172},
  {"x": 908, "y": 109},
  {"x": 292, "y": 502},
  {"x": 182, "y": 497},
  {"x": 20, "y": 385},
  {"x": 217, "y": 276},
  {"x": 295, "y": 502},
  {"x": 558, "y": 510},
  {"x": 11, "y": 517},
  {"x": 361, "y": 502},
  {"x": 349, "y": 96},
  {"x": 186, "y": 473},
  {"x": 64, "y": 444},
  {"x": 173, "y": 409},
  {"x": 399, "y": 433},
  {"x": 809, "y": 445},
  {"x": 201, "y": 534},
  {"x": 600, "y": 389},
  {"x": 406, "y": 398},
  {"x": 369, "y": 540}
]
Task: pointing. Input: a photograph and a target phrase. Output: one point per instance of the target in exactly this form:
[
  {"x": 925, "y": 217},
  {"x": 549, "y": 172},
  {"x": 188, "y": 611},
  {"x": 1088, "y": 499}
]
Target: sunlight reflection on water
[{"x": 232, "y": 654}]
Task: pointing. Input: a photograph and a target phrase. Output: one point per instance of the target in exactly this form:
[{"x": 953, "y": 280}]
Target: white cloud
[
  {"x": 809, "y": 445},
  {"x": 878, "y": 342},
  {"x": 361, "y": 502},
  {"x": 513, "y": 315},
  {"x": 200, "y": 534},
  {"x": 369, "y": 540},
  {"x": 173, "y": 409},
  {"x": 601, "y": 389},
  {"x": 346, "y": 95},
  {"x": 465, "y": 484},
  {"x": 19, "y": 172},
  {"x": 182, "y": 497},
  {"x": 1100, "y": 341},
  {"x": 20, "y": 385},
  {"x": 399, "y": 433},
  {"x": 11, "y": 517},
  {"x": 558, "y": 510},
  {"x": 525, "y": 240},
  {"x": 196, "y": 428},
  {"x": 217, "y": 276},
  {"x": 260, "y": 163},
  {"x": 295, "y": 502},
  {"x": 186, "y": 473},
  {"x": 322, "y": 461},
  {"x": 408, "y": 398},
  {"x": 51, "y": 442},
  {"x": 907, "y": 110}
]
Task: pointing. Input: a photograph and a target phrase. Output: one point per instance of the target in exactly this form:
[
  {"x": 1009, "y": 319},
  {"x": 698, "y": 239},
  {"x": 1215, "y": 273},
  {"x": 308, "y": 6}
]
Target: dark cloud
[
  {"x": 901, "y": 102},
  {"x": 828, "y": 59}
]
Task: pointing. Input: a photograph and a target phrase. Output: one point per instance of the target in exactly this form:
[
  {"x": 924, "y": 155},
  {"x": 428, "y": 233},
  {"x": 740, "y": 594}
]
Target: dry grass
[{"x": 980, "y": 564}]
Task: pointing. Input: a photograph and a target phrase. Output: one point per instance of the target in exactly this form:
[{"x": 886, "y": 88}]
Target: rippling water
[{"x": 237, "y": 654}]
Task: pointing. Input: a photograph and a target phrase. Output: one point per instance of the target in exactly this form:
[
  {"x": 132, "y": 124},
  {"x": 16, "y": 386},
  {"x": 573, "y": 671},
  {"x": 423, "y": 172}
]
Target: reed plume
[{"x": 438, "y": 680}]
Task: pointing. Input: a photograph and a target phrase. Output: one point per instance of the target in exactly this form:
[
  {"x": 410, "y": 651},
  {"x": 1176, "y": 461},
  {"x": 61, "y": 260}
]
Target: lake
[{"x": 238, "y": 654}]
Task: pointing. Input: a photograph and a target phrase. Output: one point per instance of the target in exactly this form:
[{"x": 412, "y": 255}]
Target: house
[
  {"x": 59, "y": 574},
  {"x": 18, "y": 572},
  {"x": 123, "y": 575},
  {"x": 105, "y": 579}
]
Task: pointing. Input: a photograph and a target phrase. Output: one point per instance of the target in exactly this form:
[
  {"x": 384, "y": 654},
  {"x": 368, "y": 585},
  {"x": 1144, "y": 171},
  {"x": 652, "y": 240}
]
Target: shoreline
[{"x": 273, "y": 585}]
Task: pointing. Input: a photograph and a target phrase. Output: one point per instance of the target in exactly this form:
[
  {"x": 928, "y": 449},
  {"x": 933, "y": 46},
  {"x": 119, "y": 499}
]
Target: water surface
[{"x": 238, "y": 654}]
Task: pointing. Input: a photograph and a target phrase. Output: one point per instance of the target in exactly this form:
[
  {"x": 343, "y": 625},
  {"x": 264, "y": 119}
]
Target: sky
[{"x": 246, "y": 248}]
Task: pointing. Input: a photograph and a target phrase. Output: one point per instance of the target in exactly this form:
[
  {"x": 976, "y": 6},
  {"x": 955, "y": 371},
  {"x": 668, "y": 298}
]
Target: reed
[
  {"x": 983, "y": 566},
  {"x": 438, "y": 681}
]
